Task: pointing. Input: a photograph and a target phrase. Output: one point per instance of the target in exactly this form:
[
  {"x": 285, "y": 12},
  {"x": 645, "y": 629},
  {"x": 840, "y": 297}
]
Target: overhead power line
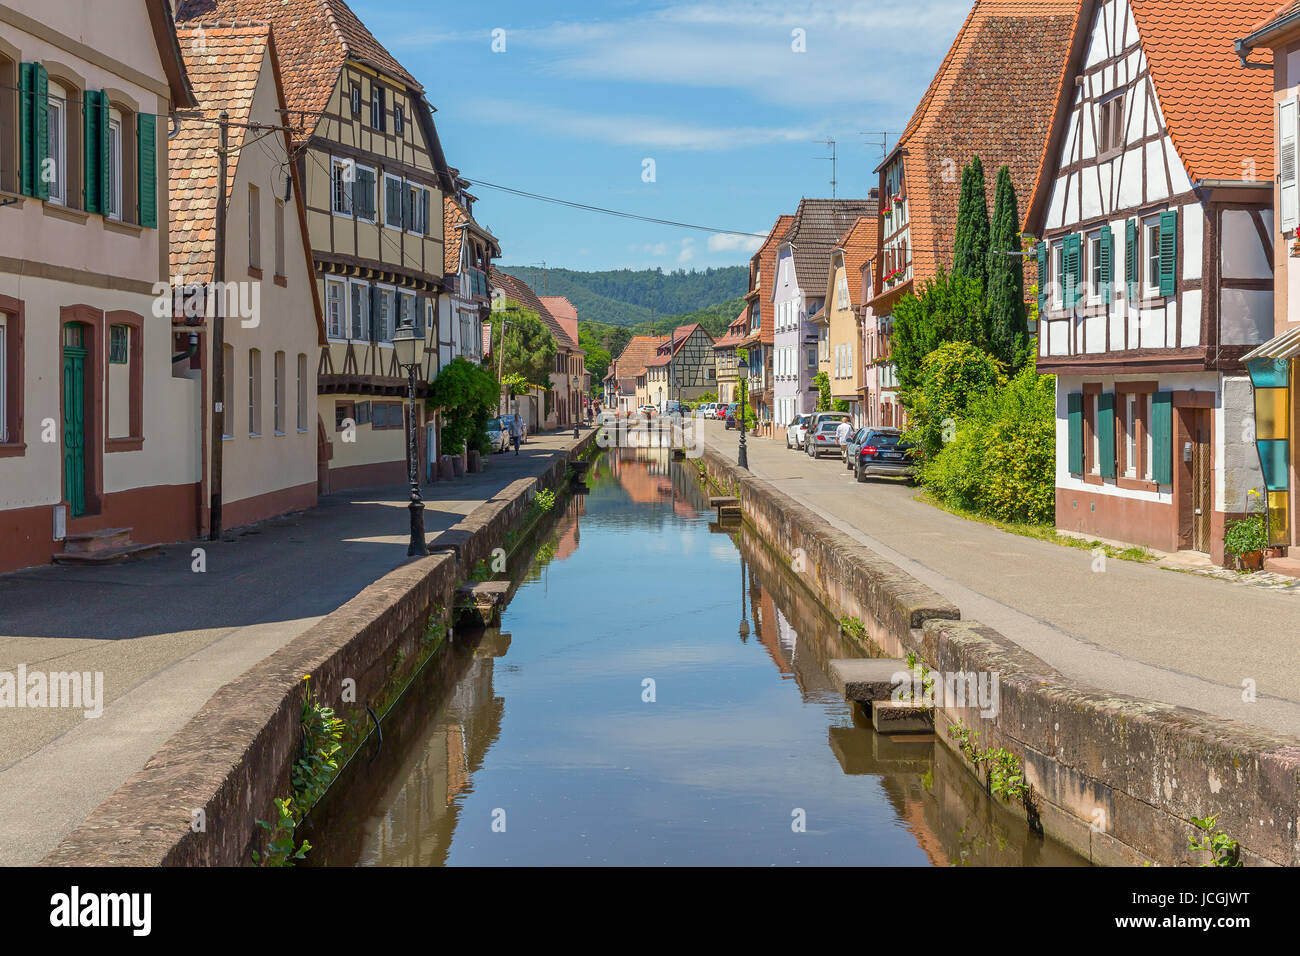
[{"x": 619, "y": 213}]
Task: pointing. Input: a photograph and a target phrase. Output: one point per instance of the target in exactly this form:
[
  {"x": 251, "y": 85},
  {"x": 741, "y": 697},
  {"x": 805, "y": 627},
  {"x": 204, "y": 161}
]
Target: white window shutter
[{"x": 1288, "y": 188}]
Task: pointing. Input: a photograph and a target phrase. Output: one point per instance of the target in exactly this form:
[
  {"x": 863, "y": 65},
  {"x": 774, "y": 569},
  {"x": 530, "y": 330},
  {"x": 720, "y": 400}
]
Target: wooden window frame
[
  {"x": 387, "y": 426},
  {"x": 254, "y": 393},
  {"x": 135, "y": 388},
  {"x": 1141, "y": 435},
  {"x": 279, "y": 392},
  {"x": 354, "y": 99},
  {"x": 14, "y": 310},
  {"x": 228, "y": 392},
  {"x": 349, "y": 410},
  {"x": 254, "y": 231},
  {"x": 303, "y": 396},
  {"x": 1091, "y": 459},
  {"x": 280, "y": 252}
]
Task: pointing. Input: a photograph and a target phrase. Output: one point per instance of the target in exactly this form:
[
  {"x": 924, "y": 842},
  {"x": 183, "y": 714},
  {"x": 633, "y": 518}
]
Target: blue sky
[{"x": 712, "y": 91}]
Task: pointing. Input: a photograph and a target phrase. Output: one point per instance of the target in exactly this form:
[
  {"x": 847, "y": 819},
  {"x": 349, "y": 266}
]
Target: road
[
  {"x": 165, "y": 637},
  {"x": 1133, "y": 628}
]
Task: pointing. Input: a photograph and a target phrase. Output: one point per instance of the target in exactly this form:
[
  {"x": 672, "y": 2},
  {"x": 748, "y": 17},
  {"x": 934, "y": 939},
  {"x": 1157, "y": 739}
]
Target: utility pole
[{"x": 218, "y": 332}]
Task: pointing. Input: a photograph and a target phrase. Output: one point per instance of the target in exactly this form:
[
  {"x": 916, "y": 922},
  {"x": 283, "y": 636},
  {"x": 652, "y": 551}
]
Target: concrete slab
[
  {"x": 866, "y": 678},
  {"x": 901, "y": 717}
]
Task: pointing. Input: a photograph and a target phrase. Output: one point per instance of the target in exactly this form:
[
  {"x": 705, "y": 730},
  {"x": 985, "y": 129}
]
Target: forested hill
[{"x": 630, "y": 297}]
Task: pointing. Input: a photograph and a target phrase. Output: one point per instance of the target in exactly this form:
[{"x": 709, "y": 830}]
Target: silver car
[{"x": 498, "y": 433}]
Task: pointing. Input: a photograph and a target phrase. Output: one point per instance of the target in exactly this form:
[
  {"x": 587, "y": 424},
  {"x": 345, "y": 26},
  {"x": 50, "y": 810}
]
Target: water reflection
[{"x": 664, "y": 700}]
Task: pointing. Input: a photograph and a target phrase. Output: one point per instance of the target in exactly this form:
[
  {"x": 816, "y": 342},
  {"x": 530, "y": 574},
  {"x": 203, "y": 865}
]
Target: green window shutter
[
  {"x": 1168, "y": 251},
  {"x": 1130, "y": 259},
  {"x": 40, "y": 97},
  {"x": 26, "y": 179},
  {"x": 1162, "y": 438},
  {"x": 92, "y": 133},
  {"x": 146, "y": 125},
  {"x": 1074, "y": 404},
  {"x": 1072, "y": 245},
  {"x": 1107, "y": 269},
  {"x": 1106, "y": 433},
  {"x": 1042, "y": 277}
]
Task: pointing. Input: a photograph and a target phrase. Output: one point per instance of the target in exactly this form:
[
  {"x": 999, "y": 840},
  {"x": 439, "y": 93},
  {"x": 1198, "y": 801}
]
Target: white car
[
  {"x": 498, "y": 433},
  {"x": 797, "y": 431}
]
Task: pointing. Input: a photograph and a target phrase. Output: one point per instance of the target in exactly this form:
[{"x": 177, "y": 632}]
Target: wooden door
[
  {"x": 1202, "y": 473},
  {"x": 74, "y": 426}
]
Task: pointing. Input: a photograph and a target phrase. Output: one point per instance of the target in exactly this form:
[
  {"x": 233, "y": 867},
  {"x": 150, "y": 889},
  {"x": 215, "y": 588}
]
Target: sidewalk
[
  {"x": 1135, "y": 628},
  {"x": 165, "y": 637}
]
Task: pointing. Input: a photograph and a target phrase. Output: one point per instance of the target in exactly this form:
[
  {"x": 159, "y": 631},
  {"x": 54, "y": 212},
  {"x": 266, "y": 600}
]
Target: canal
[{"x": 656, "y": 694}]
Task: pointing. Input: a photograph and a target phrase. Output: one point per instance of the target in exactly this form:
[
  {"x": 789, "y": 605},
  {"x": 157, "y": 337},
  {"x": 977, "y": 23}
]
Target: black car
[
  {"x": 731, "y": 414},
  {"x": 880, "y": 451}
]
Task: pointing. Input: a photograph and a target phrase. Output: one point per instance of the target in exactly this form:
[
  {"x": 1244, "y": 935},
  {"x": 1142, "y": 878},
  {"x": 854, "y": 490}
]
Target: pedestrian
[
  {"x": 842, "y": 434},
  {"x": 516, "y": 432}
]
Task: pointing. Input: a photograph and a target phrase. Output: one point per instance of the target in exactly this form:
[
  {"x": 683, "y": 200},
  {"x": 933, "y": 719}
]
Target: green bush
[
  {"x": 1001, "y": 461},
  {"x": 467, "y": 395},
  {"x": 952, "y": 376}
]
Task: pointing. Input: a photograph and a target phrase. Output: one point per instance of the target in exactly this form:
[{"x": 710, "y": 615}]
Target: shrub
[
  {"x": 467, "y": 395},
  {"x": 1002, "y": 459},
  {"x": 952, "y": 376}
]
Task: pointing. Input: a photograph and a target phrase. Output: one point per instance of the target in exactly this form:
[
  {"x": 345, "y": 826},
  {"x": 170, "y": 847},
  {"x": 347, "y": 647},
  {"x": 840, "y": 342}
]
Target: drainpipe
[{"x": 218, "y": 335}]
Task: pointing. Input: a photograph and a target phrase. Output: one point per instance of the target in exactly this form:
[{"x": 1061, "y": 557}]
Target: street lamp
[
  {"x": 408, "y": 346},
  {"x": 742, "y": 373},
  {"x": 576, "y": 403},
  {"x": 744, "y": 624}
]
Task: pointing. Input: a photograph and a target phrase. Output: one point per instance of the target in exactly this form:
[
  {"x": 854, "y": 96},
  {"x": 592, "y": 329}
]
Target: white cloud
[
  {"x": 687, "y": 252},
  {"x": 721, "y": 243},
  {"x": 856, "y": 51},
  {"x": 634, "y": 130}
]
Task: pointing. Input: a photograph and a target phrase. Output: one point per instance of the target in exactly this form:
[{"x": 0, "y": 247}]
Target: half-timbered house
[
  {"x": 469, "y": 250},
  {"x": 374, "y": 177},
  {"x": 1154, "y": 204},
  {"x": 759, "y": 339}
]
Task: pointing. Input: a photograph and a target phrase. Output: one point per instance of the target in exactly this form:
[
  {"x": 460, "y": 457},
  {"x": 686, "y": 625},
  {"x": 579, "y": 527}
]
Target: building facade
[
  {"x": 1155, "y": 276},
  {"x": 267, "y": 459},
  {"x": 99, "y": 425},
  {"x": 374, "y": 177},
  {"x": 760, "y": 337}
]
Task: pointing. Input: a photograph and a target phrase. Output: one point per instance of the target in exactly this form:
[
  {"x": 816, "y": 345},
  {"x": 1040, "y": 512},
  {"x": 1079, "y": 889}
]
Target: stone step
[
  {"x": 479, "y": 603},
  {"x": 866, "y": 679},
  {"x": 106, "y": 555},
  {"x": 1289, "y": 566},
  {"x": 722, "y": 501},
  {"x": 103, "y": 539},
  {"x": 901, "y": 717}
]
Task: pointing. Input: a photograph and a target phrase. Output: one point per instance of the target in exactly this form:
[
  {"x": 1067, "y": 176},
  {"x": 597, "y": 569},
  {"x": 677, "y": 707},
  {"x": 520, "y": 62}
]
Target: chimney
[{"x": 873, "y": 192}]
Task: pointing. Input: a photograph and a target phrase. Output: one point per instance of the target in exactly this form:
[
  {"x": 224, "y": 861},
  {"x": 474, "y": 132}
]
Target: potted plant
[{"x": 1246, "y": 539}]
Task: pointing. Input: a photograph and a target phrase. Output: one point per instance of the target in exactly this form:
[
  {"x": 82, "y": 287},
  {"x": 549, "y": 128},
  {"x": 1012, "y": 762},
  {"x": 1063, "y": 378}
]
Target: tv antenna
[
  {"x": 834, "y": 163},
  {"x": 884, "y": 141}
]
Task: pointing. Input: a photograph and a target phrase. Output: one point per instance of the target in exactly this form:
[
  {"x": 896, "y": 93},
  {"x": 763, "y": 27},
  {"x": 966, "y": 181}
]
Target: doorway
[
  {"x": 1196, "y": 467},
  {"x": 75, "y": 355}
]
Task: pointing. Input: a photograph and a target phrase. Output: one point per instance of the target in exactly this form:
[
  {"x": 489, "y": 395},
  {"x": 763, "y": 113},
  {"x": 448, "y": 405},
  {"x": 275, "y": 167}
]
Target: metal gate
[{"x": 1202, "y": 502}]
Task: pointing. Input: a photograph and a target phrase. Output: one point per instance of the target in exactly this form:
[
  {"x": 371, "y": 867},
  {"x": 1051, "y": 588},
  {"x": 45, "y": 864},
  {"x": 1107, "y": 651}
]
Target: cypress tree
[
  {"x": 1006, "y": 275},
  {"x": 971, "y": 243}
]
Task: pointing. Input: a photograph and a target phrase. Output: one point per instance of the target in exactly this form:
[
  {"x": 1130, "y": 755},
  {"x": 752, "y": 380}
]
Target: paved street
[
  {"x": 166, "y": 637},
  {"x": 1135, "y": 629}
]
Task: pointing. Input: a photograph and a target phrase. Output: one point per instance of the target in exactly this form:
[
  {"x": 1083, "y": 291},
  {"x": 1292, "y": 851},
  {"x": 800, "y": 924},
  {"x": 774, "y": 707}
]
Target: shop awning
[{"x": 1283, "y": 346}]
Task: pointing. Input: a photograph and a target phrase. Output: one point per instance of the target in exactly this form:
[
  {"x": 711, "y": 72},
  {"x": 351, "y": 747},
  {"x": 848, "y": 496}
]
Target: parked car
[
  {"x": 646, "y": 410},
  {"x": 721, "y": 410},
  {"x": 817, "y": 418},
  {"x": 674, "y": 407},
  {"x": 883, "y": 452},
  {"x": 732, "y": 410},
  {"x": 498, "y": 432},
  {"x": 821, "y": 438},
  {"x": 796, "y": 432}
]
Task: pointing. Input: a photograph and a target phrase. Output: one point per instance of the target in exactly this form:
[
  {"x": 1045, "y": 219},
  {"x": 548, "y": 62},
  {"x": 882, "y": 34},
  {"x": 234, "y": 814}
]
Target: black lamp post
[
  {"x": 409, "y": 347},
  {"x": 744, "y": 624},
  {"x": 577, "y": 401},
  {"x": 742, "y": 373}
]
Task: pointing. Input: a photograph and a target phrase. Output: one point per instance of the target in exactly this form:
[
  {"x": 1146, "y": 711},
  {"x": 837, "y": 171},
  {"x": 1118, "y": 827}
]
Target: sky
[{"x": 706, "y": 112}]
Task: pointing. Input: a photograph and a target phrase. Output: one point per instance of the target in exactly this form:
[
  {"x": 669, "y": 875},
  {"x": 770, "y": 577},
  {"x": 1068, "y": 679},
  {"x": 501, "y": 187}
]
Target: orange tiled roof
[
  {"x": 1219, "y": 113},
  {"x": 639, "y": 350},
  {"x": 519, "y": 291},
  {"x": 995, "y": 94},
  {"x": 735, "y": 332},
  {"x": 315, "y": 39},
  {"x": 453, "y": 217},
  {"x": 765, "y": 262},
  {"x": 224, "y": 70},
  {"x": 565, "y": 313}
]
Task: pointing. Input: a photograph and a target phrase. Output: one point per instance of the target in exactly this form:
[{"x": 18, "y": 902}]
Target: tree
[
  {"x": 529, "y": 344},
  {"x": 950, "y": 308},
  {"x": 466, "y": 394},
  {"x": 1006, "y": 277},
  {"x": 823, "y": 383},
  {"x": 971, "y": 243},
  {"x": 952, "y": 376}
]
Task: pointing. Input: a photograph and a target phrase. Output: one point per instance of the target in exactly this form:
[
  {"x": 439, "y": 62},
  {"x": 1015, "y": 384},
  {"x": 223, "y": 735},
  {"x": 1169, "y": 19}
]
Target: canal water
[{"x": 656, "y": 694}]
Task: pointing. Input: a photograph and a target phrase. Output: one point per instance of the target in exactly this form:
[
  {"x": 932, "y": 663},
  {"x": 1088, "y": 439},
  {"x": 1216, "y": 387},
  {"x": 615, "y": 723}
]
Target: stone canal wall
[
  {"x": 198, "y": 799},
  {"x": 1116, "y": 778}
]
